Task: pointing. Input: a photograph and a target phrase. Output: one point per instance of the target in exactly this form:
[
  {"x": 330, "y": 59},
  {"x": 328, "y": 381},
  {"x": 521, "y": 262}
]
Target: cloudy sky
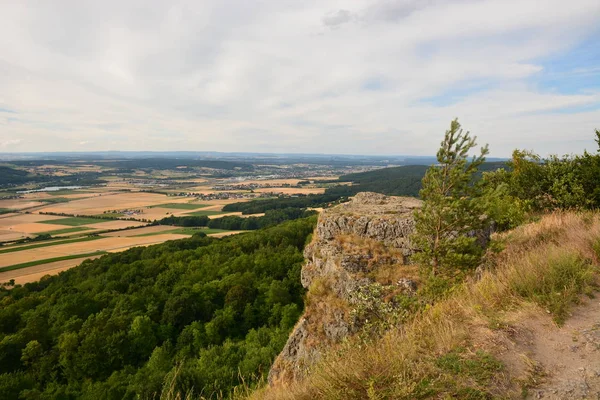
[{"x": 318, "y": 76}]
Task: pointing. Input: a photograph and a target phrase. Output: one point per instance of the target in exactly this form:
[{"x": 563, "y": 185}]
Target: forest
[
  {"x": 210, "y": 312},
  {"x": 395, "y": 181},
  {"x": 235, "y": 223}
]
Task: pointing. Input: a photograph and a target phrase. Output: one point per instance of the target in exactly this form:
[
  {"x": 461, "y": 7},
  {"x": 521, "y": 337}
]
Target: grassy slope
[{"x": 448, "y": 350}]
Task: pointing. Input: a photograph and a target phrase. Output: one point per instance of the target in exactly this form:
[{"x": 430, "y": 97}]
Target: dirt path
[{"x": 569, "y": 356}]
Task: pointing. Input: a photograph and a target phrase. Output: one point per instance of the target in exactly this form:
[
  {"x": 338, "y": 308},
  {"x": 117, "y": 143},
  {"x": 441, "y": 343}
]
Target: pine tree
[{"x": 452, "y": 209}]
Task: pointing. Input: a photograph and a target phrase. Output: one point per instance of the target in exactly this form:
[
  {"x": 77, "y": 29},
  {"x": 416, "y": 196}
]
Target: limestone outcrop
[{"x": 356, "y": 245}]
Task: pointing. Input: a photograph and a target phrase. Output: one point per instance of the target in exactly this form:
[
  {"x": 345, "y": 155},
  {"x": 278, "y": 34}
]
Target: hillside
[
  {"x": 528, "y": 326},
  {"x": 213, "y": 312},
  {"x": 11, "y": 176},
  {"x": 394, "y": 181}
]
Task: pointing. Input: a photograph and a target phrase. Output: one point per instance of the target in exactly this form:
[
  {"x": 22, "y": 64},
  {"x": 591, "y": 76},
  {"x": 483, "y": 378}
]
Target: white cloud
[
  {"x": 8, "y": 143},
  {"x": 273, "y": 75}
]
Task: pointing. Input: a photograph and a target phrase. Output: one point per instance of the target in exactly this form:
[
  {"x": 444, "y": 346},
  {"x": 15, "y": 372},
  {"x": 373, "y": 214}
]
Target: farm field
[
  {"x": 18, "y": 204},
  {"x": 138, "y": 231},
  {"x": 132, "y": 198},
  {"x": 67, "y": 231},
  {"x": 86, "y": 247},
  {"x": 73, "y": 221},
  {"x": 182, "y": 206},
  {"x": 288, "y": 190},
  {"x": 33, "y": 274},
  {"x": 110, "y": 201},
  {"x": 184, "y": 231},
  {"x": 6, "y": 236},
  {"x": 204, "y": 212}
]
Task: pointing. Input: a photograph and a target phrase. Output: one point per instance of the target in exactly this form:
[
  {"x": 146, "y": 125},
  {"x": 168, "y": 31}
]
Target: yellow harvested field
[
  {"x": 159, "y": 213},
  {"x": 116, "y": 224},
  {"x": 291, "y": 190},
  {"x": 33, "y": 274},
  {"x": 139, "y": 231},
  {"x": 99, "y": 204},
  {"x": 15, "y": 219},
  {"x": 222, "y": 234},
  {"x": 19, "y": 204},
  {"x": 9, "y": 215},
  {"x": 222, "y": 202},
  {"x": 5, "y": 236},
  {"x": 104, "y": 244},
  {"x": 34, "y": 227},
  {"x": 203, "y": 190},
  {"x": 321, "y": 178},
  {"x": 293, "y": 181}
]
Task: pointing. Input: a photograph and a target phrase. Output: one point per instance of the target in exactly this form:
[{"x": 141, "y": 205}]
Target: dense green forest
[
  {"x": 12, "y": 176},
  {"x": 210, "y": 312}
]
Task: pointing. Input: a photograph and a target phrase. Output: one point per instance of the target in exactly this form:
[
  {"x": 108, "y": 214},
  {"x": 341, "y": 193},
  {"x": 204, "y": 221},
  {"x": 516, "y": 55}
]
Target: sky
[{"x": 308, "y": 76}]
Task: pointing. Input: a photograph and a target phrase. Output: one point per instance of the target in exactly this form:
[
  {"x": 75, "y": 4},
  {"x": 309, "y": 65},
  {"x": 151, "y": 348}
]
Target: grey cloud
[{"x": 337, "y": 18}]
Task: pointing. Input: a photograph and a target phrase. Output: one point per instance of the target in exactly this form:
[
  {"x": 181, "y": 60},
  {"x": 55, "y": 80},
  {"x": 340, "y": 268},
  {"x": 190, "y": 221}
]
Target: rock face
[{"x": 356, "y": 244}]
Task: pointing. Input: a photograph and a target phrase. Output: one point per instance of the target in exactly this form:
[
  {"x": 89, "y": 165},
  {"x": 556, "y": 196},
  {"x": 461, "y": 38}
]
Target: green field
[
  {"x": 110, "y": 215},
  {"x": 74, "y": 221},
  {"x": 50, "y": 260},
  {"x": 181, "y": 206},
  {"x": 67, "y": 191},
  {"x": 49, "y": 243},
  {"x": 185, "y": 231},
  {"x": 208, "y": 212},
  {"x": 66, "y": 230},
  {"x": 5, "y": 210}
]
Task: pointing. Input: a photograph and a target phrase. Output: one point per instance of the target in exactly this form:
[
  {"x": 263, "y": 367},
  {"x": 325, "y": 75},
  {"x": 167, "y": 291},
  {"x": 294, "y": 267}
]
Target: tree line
[{"x": 235, "y": 223}]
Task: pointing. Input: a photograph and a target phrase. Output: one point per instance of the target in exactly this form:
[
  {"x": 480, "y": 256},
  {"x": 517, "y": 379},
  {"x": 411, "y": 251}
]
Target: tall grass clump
[{"x": 554, "y": 280}]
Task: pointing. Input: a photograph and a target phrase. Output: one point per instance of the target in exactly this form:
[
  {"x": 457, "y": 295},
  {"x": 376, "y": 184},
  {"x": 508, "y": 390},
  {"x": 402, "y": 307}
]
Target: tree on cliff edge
[{"x": 452, "y": 209}]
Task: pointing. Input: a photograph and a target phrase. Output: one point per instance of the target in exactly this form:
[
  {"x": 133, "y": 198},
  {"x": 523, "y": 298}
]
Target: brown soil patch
[
  {"x": 552, "y": 362},
  {"x": 569, "y": 355}
]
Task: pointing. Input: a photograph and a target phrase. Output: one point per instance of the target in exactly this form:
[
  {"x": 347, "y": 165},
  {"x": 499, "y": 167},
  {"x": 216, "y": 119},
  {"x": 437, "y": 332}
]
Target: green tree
[{"x": 452, "y": 208}]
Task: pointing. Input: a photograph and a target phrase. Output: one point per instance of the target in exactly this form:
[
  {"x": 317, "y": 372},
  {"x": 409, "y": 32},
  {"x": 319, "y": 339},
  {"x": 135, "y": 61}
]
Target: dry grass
[{"x": 446, "y": 351}]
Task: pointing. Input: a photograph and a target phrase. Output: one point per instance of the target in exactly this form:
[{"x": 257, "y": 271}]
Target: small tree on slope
[{"x": 452, "y": 208}]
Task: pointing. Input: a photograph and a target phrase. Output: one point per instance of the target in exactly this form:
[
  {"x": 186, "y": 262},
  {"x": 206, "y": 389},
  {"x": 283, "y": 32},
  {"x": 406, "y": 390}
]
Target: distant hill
[
  {"x": 11, "y": 176},
  {"x": 395, "y": 181}
]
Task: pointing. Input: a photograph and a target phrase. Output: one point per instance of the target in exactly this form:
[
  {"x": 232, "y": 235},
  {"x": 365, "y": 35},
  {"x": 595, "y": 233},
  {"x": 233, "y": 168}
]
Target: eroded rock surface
[{"x": 355, "y": 244}]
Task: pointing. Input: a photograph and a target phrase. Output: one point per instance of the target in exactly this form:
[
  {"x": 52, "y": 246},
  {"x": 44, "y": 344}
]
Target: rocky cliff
[{"x": 359, "y": 253}]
